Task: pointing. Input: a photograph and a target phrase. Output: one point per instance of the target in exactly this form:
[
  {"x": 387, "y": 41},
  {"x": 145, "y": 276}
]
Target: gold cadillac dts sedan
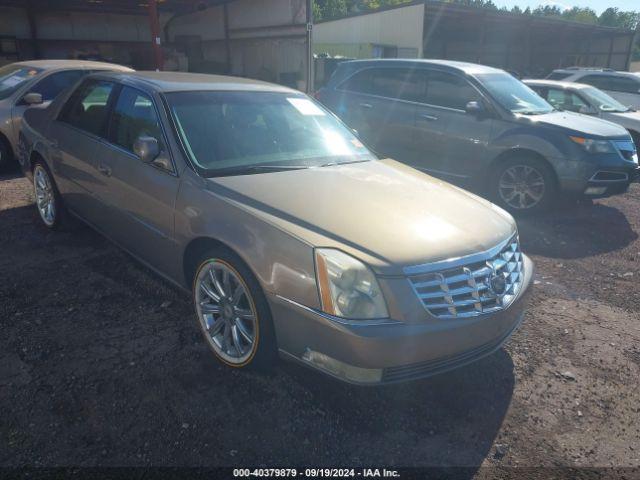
[{"x": 291, "y": 236}]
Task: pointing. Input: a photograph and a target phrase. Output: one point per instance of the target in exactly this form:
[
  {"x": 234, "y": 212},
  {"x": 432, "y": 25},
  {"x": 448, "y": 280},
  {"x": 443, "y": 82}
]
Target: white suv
[{"x": 623, "y": 86}]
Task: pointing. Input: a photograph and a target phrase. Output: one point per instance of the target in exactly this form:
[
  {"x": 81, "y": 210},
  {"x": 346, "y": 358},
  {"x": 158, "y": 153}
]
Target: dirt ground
[{"x": 102, "y": 364}]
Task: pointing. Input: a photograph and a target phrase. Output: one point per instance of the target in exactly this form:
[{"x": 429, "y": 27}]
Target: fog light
[
  {"x": 595, "y": 190},
  {"x": 341, "y": 369}
]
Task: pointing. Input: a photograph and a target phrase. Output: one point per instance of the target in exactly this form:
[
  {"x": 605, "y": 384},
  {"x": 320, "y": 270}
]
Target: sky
[{"x": 597, "y": 5}]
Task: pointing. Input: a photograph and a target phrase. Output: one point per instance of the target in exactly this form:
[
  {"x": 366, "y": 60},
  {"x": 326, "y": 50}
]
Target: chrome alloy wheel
[
  {"x": 45, "y": 195},
  {"x": 226, "y": 312},
  {"x": 521, "y": 186}
]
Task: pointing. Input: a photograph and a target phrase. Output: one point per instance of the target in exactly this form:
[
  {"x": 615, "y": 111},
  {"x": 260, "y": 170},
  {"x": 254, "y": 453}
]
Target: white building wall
[{"x": 401, "y": 27}]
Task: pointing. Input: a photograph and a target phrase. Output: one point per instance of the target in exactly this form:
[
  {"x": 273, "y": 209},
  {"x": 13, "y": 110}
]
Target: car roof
[
  {"x": 68, "y": 64},
  {"x": 460, "y": 67},
  {"x": 593, "y": 71},
  {"x": 183, "y": 81},
  {"x": 556, "y": 83}
]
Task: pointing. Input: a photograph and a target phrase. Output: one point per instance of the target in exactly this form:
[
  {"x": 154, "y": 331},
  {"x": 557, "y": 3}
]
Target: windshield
[
  {"x": 247, "y": 132},
  {"x": 12, "y": 77},
  {"x": 514, "y": 95},
  {"x": 603, "y": 101}
]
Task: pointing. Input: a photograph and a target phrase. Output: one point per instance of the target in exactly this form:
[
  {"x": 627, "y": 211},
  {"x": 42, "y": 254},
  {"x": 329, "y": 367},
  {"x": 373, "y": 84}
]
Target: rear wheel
[
  {"x": 233, "y": 312},
  {"x": 523, "y": 185},
  {"x": 6, "y": 155},
  {"x": 48, "y": 200}
]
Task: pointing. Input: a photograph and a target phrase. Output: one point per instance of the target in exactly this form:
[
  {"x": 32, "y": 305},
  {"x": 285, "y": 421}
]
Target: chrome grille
[{"x": 470, "y": 286}]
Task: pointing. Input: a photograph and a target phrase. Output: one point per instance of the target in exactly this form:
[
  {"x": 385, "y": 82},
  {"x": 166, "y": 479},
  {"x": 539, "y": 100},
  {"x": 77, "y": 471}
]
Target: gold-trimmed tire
[{"x": 232, "y": 311}]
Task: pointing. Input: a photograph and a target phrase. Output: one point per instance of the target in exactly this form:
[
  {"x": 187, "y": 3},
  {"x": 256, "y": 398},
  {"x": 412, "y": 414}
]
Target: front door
[
  {"x": 142, "y": 195},
  {"x": 454, "y": 141}
]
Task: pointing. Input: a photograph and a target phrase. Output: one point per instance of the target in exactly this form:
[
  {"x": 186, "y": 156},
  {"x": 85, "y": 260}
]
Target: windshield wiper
[
  {"x": 331, "y": 164},
  {"x": 257, "y": 168}
]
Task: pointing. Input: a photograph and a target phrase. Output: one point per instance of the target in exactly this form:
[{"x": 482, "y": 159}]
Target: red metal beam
[{"x": 156, "y": 42}]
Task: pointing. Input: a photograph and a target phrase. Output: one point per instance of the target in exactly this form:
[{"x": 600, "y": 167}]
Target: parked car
[
  {"x": 291, "y": 236},
  {"x": 36, "y": 82},
  {"x": 588, "y": 100},
  {"x": 482, "y": 128},
  {"x": 623, "y": 86}
]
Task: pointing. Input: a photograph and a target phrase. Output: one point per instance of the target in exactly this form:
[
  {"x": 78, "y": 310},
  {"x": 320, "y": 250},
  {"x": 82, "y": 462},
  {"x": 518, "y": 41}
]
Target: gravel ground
[{"x": 102, "y": 364}]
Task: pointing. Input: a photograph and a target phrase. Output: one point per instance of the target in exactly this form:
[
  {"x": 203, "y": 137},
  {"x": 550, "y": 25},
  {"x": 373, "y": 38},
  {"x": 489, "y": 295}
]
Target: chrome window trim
[
  {"x": 408, "y": 102},
  {"x": 458, "y": 261}
]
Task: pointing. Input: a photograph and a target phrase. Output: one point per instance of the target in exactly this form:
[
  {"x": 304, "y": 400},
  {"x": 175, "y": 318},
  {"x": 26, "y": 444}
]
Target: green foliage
[{"x": 611, "y": 17}]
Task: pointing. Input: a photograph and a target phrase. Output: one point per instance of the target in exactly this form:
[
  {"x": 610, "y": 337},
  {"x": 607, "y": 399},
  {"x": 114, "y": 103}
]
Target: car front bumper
[
  {"x": 596, "y": 177},
  {"x": 392, "y": 351}
]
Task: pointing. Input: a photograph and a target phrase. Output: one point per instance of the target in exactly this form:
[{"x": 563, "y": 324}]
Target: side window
[
  {"x": 359, "y": 82},
  {"x": 451, "y": 91},
  {"x": 565, "y": 100},
  {"x": 87, "y": 107},
  {"x": 612, "y": 82},
  {"x": 399, "y": 83},
  {"x": 402, "y": 83},
  {"x": 575, "y": 102},
  {"x": 556, "y": 98},
  {"x": 55, "y": 83},
  {"x": 133, "y": 116}
]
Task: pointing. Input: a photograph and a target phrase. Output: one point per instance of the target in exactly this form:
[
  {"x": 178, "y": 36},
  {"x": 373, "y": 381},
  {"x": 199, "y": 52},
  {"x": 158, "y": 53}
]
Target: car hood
[
  {"x": 626, "y": 119},
  {"x": 576, "y": 123},
  {"x": 383, "y": 212}
]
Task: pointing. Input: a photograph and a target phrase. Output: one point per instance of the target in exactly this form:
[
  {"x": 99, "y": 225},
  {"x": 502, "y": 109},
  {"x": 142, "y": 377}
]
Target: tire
[
  {"x": 6, "y": 155},
  {"x": 523, "y": 185},
  {"x": 237, "y": 327},
  {"x": 46, "y": 192},
  {"x": 635, "y": 136}
]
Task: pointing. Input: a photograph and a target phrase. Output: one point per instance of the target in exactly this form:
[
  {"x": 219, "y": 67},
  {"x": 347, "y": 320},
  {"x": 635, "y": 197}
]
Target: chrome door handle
[
  {"x": 366, "y": 105},
  {"x": 428, "y": 118},
  {"x": 103, "y": 169}
]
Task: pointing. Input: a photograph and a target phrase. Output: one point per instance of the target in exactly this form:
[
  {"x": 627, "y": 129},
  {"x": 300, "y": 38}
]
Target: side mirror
[
  {"x": 32, "y": 98},
  {"x": 146, "y": 148},
  {"x": 474, "y": 108}
]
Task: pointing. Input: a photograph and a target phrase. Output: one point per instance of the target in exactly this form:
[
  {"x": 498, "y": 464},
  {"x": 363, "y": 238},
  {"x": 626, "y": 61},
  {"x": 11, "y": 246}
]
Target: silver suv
[{"x": 623, "y": 86}]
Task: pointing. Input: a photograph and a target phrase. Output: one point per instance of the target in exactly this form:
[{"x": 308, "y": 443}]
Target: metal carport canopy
[{"x": 131, "y": 7}]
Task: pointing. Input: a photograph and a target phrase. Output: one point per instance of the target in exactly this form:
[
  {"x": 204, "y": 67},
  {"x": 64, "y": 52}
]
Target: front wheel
[
  {"x": 523, "y": 185},
  {"x": 232, "y": 312}
]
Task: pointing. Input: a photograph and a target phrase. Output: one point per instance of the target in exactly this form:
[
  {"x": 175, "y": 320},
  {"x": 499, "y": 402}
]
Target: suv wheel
[
  {"x": 232, "y": 311},
  {"x": 523, "y": 185}
]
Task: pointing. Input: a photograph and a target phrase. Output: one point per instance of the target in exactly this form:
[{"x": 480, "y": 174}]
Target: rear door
[
  {"x": 76, "y": 138},
  {"x": 141, "y": 195},
  {"x": 454, "y": 142},
  {"x": 372, "y": 101}
]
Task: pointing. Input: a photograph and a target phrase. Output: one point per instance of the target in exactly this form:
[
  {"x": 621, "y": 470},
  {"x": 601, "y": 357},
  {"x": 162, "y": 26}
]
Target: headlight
[
  {"x": 595, "y": 146},
  {"x": 348, "y": 289}
]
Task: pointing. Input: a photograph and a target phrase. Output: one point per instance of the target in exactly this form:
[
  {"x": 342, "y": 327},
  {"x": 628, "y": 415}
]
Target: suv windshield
[
  {"x": 13, "y": 77},
  {"x": 513, "y": 95},
  {"x": 603, "y": 101},
  {"x": 227, "y": 133}
]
